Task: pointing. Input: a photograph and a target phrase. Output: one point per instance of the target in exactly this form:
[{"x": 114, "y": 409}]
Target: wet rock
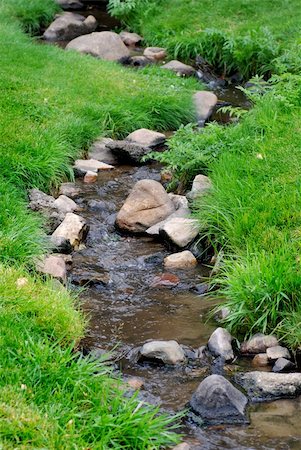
[
  {"x": 128, "y": 152},
  {"x": 181, "y": 260},
  {"x": 70, "y": 190},
  {"x": 65, "y": 204},
  {"x": 264, "y": 386},
  {"x": 68, "y": 26},
  {"x": 276, "y": 352},
  {"x": 155, "y": 53},
  {"x": 70, "y": 4},
  {"x": 155, "y": 259},
  {"x": 283, "y": 365},
  {"x": 147, "y": 204},
  {"x": 200, "y": 186},
  {"x": 73, "y": 228},
  {"x": 205, "y": 102},
  {"x": 260, "y": 360},
  {"x": 90, "y": 177},
  {"x": 130, "y": 39},
  {"x": 81, "y": 276},
  {"x": 146, "y": 138},
  {"x": 183, "y": 446},
  {"x": 60, "y": 245},
  {"x": 201, "y": 352},
  {"x": 217, "y": 401},
  {"x": 101, "y": 152},
  {"x": 135, "y": 383},
  {"x": 180, "y": 231},
  {"x": 101, "y": 206},
  {"x": 220, "y": 344},
  {"x": 169, "y": 352},
  {"x": 182, "y": 210},
  {"x": 165, "y": 280},
  {"x": 259, "y": 343},
  {"x": 45, "y": 204},
  {"x": 104, "y": 45},
  {"x": 53, "y": 265},
  {"x": 201, "y": 288},
  {"x": 179, "y": 68},
  {"x": 82, "y": 166}
]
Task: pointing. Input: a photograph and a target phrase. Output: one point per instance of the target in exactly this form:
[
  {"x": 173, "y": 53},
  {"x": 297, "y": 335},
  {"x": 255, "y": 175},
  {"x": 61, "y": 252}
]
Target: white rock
[
  {"x": 220, "y": 344},
  {"x": 179, "y": 68},
  {"x": 65, "y": 204},
  {"x": 146, "y": 138},
  {"x": 181, "y": 260},
  {"x": 91, "y": 165},
  {"x": 169, "y": 352},
  {"x": 73, "y": 228},
  {"x": 259, "y": 343},
  {"x": 180, "y": 231}
]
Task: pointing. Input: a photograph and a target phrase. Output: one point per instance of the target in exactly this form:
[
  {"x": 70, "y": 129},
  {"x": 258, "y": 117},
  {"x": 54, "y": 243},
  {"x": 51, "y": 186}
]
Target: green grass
[{"x": 249, "y": 36}]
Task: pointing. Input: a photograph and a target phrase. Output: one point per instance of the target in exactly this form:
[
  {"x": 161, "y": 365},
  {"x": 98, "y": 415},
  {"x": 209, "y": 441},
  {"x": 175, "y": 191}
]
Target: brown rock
[
  {"x": 73, "y": 228},
  {"x": 155, "y": 53},
  {"x": 260, "y": 360},
  {"x": 181, "y": 260},
  {"x": 90, "y": 177},
  {"x": 135, "y": 383},
  {"x": 68, "y": 26},
  {"x": 179, "y": 68},
  {"x": 130, "y": 39},
  {"x": 259, "y": 343},
  {"x": 53, "y": 265},
  {"x": 165, "y": 280},
  {"x": 146, "y": 138},
  {"x": 204, "y": 103},
  {"x": 183, "y": 446},
  {"x": 70, "y": 190}
]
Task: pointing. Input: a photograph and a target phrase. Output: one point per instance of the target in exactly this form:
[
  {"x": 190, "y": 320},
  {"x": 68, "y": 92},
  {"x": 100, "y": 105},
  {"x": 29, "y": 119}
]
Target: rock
[
  {"x": 146, "y": 138},
  {"x": 139, "y": 61},
  {"x": 219, "y": 344},
  {"x": 68, "y": 26},
  {"x": 155, "y": 53},
  {"x": 39, "y": 201},
  {"x": 182, "y": 210},
  {"x": 147, "y": 204},
  {"x": 180, "y": 231},
  {"x": 277, "y": 352},
  {"x": 130, "y": 39},
  {"x": 82, "y": 166},
  {"x": 70, "y": 4},
  {"x": 135, "y": 383},
  {"x": 60, "y": 244},
  {"x": 165, "y": 280},
  {"x": 200, "y": 186},
  {"x": 90, "y": 177},
  {"x": 169, "y": 352},
  {"x": 204, "y": 103},
  {"x": 179, "y": 68},
  {"x": 181, "y": 260},
  {"x": 101, "y": 152},
  {"x": 259, "y": 343},
  {"x": 65, "y": 204},
  {"x": 183, "y": 446},
  {"x": 21, "y": 282},
  {"x": 53, "y": 265},
  {"x": 283, "y": 365},
  {"x": 260, "y": 360},
  {"x": 128, "y": 152},
  {"x": 81, "y": 276},
  {"x": 70, "y": 190},
  {"x": 264, "y": 386},
  {"x": 104, "y": 45},
  {"x": 217, "y": 401},
  {"x": 73, "y": 228}
]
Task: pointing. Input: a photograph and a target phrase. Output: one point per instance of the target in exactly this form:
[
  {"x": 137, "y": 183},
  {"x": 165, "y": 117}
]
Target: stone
[
  {"x": 181, "y": 260},
  {"x": 179, "y": 68},
  {"x": 220, "y": 344},
  {"x": 82, "y": 166},
  {"x": 217, "y": 401},
  {"x": 201, "y": 185},
  {"x": 165, "y": 280},
  {"x": 259, "y": 343},
  {"x": 68, "y": 26},
  {"x": 147, "y": 204},
  {"x": 60, "y": 245},
  {"x": 135, "y": 383},
  {"x": 130, "y": 39},
  {"x": 73, "y": 228},
  {"x": 54, "y": 266},
  {"x": 22, "y": 282},
  {"x": 169, "y": 352},
  {"x": 265, "y": 386},
  {"x": 155, "y": 53},
  {"x": 70, "y": 4},
  {"x": 180, "y": 231},
  {"x": 101, "y": 152},
  {"x": 104, "y": 45},
  {"x": 283, "y": 365},
  {"x": 181, "y": 211},
  {"x": 183, "y": 446},
  {"x": 70, "y": 190},
  {"x": 146, "y": 138},
  {"x": 276, "y": 352},
  {"x": 65, "y": 204},
  {"x": 128, "y": 152},
  {"x": 45, "y": 204},
  {"x": 139, "y": 61},
  {"x": 260, "y": 360},
  {"x": 90, "y": 177},
  {"x": 204, "y": 102}
]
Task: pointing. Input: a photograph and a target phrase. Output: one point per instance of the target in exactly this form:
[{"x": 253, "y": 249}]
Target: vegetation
[{"x": 248, "y": 36}]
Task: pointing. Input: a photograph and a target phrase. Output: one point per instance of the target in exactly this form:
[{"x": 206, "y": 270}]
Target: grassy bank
[
  {"x": 53, "y": 104},
  {"x": 249, "y": 36}
]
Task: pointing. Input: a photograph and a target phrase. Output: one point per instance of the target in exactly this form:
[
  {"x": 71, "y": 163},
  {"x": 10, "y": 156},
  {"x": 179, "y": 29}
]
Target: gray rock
[
  {"x": 128, "y": 152},
  {"x": 104, "y": 45},
  {"x": 219, "y": 344},
  {"x": 169, "y": 352},
  {"x": 201, "y": 185},
  {"x": 155, "y": 53},
  {"x": 179, "y": 231},
  {"x": 45, "y": 204},
  {"x": 68, "y": 26},
  {"x": 65, "y": 204},
  {"x": 70, "y": 190},
  {"x": 179, "y": 68},
  {"x": 146, "y": 138},
  {"x": 204, "y": 103},
  {"x": 60, "y": 245},
  {"x": 263, "y": 386},
  {"x": 73, "y": 228},
  {"x": 130, "y": 39},
  {"x": 101, "y": 152},
  {"x": 217, "y": 401},
  {"x": 283, "y": 365},
  {"x": 70, "y": 4},
  {"x": 276, "y": 352},
  {"x": 259, "y": 343},
  {"x": 53, "y": 265}
]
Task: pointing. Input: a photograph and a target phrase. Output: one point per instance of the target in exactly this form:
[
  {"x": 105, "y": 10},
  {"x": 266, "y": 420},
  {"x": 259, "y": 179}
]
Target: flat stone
[
  {"x": 264, "y": 386},
  {"x": 155, "y": 53},
  {"x": 276, "y": 352},
  {"x": 220, "y": 344},
  {"x": 259, "y": 343},
  {"x": 260, "y": 360},
  {"x": 70, "y": 190},
  {"x": 90, "y": 177},
  {"x": 101, "y": 152},
  {"x": 68, "y": 26},
  {"x": 103, "y": 45},
  {"x": 217, "y": 401},
  {"x": 146, "y": 138},
  {"x": 73, "y": 228},
  {"x": 205, "y": 102},
  {"x": 180, "y": 231},
  {"x": 201, "y": 185},
  {"x": 179, "y": 68},
  {"x": 181, "y": 260},
  {"x": 283, "y": 365},
  {"x": 65, "y": 204},
  {"x": 165, "y": 280},
  {"x": 169, "y": 352},
  {"x": 53, "y": 265},
  {"x": 70, "y": 4},
  {"x": 82, "y": 166},
  {"x": 130, "y": 39}
]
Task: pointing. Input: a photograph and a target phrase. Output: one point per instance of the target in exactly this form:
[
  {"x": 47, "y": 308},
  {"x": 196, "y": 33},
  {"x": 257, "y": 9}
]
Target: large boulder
[
  {"x": 259, "y": 343},
  {"x": 73, "y": 228},
  {"x": 104, "y": 45},
  {"x": 220, "y": 344},
  {"x": 217, "y": 401},
  {"x": 262, "y": 386},
  {"x": 168, "y": 352},
  {"x": 70, "y": 4},
  {"x": 179, "y": 68},
  {"x": 147, "y": 204},
  {"x": 181, "y": 260},
  {"x": 68, "y": 26},
  {"x": 180, "y": 231},
  {"x": 205, "y": 102}
]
